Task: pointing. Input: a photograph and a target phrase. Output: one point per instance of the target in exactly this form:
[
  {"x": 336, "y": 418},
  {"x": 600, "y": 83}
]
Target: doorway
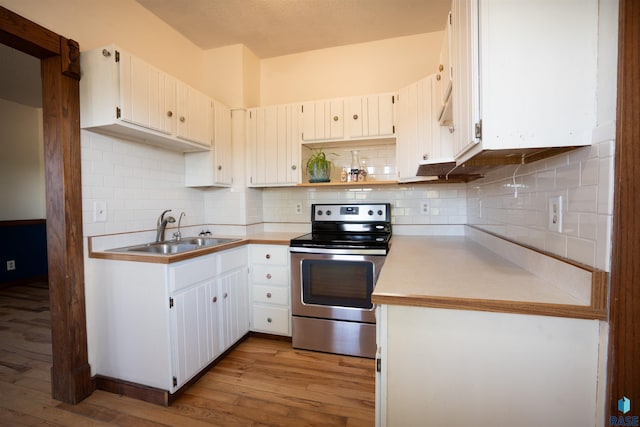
[{"x": 60, "y": 72}]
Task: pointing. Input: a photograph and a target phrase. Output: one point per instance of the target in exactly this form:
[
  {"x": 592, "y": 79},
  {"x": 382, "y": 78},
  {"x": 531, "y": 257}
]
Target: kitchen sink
[{"x": 176, "y": 246}]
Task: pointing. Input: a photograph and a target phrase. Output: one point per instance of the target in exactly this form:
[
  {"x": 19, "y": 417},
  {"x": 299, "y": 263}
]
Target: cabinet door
[
  {"x": 235, "y": 306},
  {"x": 190, "y": 332},
  {"x": 323, "y": 120},
  {"x": 356, "y": 109},
  {"x": 464, "y": 63},
  {"x": 195, "y": 115},
  {"x": 273, "y": 140},
  {"x": 380, "y": 114},
  {"x": 147, "y": 95},
  {"x": 222, "y": 144},
  {"x": 444, "y": 68}
]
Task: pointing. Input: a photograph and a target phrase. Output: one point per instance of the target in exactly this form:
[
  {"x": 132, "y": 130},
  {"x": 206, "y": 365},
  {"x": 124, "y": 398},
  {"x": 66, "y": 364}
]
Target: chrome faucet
[
  {"x": 177, "y": 235},
  {"x": 162, "y": 224}
]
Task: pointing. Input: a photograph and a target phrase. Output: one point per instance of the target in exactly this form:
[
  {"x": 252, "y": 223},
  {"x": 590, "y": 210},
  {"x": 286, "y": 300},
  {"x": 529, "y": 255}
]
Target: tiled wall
[
  {"x": 446, "y": 203},
  {"x": 137, "y": 182},
  {"x": 514, "y": 201}
]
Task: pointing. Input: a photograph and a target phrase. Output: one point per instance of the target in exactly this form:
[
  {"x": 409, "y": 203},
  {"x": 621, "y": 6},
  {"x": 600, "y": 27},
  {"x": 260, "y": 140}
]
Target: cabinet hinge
[
  {"x": 117, "y": 57},
  {"x": 450, "y": 19},
  {"x": 479, "y": 130},
  {"x": 378, "y": 365},
  {"x": 250, "y": 114},
  {"x": 393, "y": 99},
  {"x": 393, "y": 129},
  {"x": 118, "y": 112},
  {"x": 175, "y": 381},
  {"x": 170, "y": 302},
  {"x": 302, "y": 108}
]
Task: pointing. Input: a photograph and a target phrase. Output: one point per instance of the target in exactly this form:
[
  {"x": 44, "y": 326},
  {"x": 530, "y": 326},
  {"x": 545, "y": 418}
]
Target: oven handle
[{"x": 337, "y": 251}]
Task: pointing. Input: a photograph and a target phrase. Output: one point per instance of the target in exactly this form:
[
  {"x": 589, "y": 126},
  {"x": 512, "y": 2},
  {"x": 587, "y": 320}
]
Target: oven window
[{"x": 337, "y": 283}]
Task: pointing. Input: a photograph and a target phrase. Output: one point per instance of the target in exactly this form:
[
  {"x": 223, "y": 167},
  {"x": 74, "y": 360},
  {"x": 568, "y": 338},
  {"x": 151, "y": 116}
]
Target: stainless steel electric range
[{"x": 333, "y": 273}]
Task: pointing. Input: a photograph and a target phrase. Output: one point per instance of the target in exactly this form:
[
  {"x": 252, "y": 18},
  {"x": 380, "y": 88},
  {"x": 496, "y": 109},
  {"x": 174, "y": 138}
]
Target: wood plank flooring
[{"x": 260, "y": 383}]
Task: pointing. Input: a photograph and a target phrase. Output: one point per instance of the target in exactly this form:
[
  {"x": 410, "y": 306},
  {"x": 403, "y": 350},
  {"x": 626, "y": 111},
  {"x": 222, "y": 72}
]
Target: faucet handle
[{"x": 161, "y": 217}]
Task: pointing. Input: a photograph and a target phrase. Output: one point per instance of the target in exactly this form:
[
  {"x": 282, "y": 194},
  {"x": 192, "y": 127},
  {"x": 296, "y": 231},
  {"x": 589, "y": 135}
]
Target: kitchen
[{"x": 252, "y": 203}]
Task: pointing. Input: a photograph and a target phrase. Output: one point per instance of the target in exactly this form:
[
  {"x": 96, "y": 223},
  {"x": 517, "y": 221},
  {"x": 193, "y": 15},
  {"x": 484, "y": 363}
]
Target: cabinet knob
[
  {"x": 294, "y": 167},
  {"x": 268, "y": 256},
  {"x": 335, "y": 118},
  {"x": 169, "y": 113},
  {"x": 214, "y": 299},
  {"x": 268, "y": 275},
  {"x": 451, "y": 129},
  {"x": 268, "y": 294},
  {"x": 182, "y": 119},
  {"x": 269, "y": 320},
  {"x": 226, "y": 294},
  {"x": 438, "y": 77},
  {"x": 355, "y": 117},
  {"x": 440, "y": 67},
  {"x": 219, "y": 167},
  {"x": 425, "y": 156}
]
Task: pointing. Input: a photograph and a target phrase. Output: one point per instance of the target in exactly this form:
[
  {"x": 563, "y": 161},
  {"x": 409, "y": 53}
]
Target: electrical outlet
[
  {"x": 555, "y": 214},
  {"x": 99, "y": 211},
  {"x": 298, "y": 208},
  {"x": 479, "y": 208},
  {"x": 424, "y": 208},
  {"x": 11, "y": 265}
]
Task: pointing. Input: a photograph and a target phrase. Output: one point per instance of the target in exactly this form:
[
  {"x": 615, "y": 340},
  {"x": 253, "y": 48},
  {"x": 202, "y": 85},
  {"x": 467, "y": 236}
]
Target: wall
[
  {"x": 21, "y": 163},
  {"x": 358, "y": 69}
]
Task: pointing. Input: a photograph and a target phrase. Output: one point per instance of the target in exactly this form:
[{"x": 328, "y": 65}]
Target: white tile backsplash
[{"x": 582, "y": 177}]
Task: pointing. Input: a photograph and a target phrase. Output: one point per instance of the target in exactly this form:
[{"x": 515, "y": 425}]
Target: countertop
[{"x": 458, "y": 272}]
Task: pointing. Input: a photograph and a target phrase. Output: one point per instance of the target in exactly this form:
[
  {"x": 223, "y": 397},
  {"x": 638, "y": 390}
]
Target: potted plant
[{"x": 319, "y": 167}]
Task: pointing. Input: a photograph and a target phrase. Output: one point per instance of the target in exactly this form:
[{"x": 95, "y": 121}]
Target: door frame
[
  {"x": 623, "y": 363},
  {"x": 60, "y": 68}
]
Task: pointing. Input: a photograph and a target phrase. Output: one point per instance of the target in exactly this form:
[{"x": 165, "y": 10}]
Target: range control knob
[
  {"x": 328, "y": 212},
  {"x": 319, "y": 213},
  {"x": 380, "y": 212},
  {"x": 370, "y": 212}
]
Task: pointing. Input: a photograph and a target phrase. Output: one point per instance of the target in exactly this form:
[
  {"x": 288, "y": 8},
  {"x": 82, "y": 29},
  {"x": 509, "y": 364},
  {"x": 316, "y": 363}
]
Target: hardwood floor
[{"x": 260, "y": 383}]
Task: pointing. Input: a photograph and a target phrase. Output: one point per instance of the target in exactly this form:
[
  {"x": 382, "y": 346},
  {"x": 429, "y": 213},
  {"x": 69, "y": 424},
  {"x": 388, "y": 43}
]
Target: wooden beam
[
  {"x": 27, "y": 36},
  {"x": 624, "y": 320}
]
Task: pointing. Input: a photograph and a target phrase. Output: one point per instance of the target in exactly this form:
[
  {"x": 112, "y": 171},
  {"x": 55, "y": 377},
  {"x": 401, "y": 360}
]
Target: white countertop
[{"x": 459, "y": 272}]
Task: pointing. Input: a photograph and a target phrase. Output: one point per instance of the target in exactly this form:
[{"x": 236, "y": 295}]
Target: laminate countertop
[{"x": 461, "y": 272}]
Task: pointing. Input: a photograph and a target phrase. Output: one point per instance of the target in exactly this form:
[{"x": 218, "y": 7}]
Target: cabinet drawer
[
  {"x": 271, "y": 295},
  {"x": 271, "y": 319},
  {"x": 232, "y": 259},
  {"x": 270, "y": 254},
  {"x": 270, "y": 275},
  {"x": 192, "y": 271}
]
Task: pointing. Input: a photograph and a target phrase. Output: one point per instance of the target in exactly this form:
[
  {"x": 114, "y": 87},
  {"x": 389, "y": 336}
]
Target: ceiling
[{"x": 280, "y": 27}]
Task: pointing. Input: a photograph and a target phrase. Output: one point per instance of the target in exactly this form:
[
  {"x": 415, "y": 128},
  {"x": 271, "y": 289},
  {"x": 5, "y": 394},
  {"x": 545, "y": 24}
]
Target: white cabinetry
[
  {"x": 214, "y": 167},
  {"x": 521, "y": 79},
  {"x": 273, "y": 145},
  {"x": 195, "y": 115},
  {"x": 419, "y": 137},
  {"x": 270, "y": 289},
  {"x": 444, "y": 77},
  {"x": 455, "y": 367},
  {"x": 124, "y": 96},
  {"x": 159, "y": 325},
  {"x": 348, "y": 119}
]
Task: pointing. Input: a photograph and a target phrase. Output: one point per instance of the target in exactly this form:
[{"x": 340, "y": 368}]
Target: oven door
[{"x": 337, "y": 287}]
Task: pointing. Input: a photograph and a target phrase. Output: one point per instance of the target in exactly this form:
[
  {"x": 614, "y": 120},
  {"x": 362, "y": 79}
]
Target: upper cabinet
[
  {"x": 124, "y": 96},
  {"x": 524, "y": 78},
  {"x": 444, "y": 77},
  {"x": 354, "y": 118},
  {"x": 273, "y": 145},
  {"x": 419, "y": 137},
  {"x": 213, "y": 167}
]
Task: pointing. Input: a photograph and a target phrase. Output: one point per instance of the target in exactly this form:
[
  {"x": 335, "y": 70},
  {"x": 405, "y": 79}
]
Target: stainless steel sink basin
[{"x": 176, "y": 246}]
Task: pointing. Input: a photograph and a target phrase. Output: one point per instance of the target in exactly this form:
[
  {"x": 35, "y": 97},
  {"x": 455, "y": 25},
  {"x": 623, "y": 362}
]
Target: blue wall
[{"x": 26, "y": 243}]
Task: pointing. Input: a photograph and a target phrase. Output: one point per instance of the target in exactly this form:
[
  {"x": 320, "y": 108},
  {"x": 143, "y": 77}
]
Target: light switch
[{"x": 99, "y": 211}]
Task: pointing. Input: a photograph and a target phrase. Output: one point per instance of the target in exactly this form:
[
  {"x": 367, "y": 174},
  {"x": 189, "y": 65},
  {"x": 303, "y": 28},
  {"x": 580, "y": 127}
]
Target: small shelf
[{"x": 347, "y": 184}]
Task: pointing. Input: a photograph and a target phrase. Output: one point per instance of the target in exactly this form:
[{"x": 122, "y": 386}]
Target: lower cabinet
[
  {"x": 442, "y": 367},
  {"x": 159, "y": 325},
  {"x": 270, "y": 290}
]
